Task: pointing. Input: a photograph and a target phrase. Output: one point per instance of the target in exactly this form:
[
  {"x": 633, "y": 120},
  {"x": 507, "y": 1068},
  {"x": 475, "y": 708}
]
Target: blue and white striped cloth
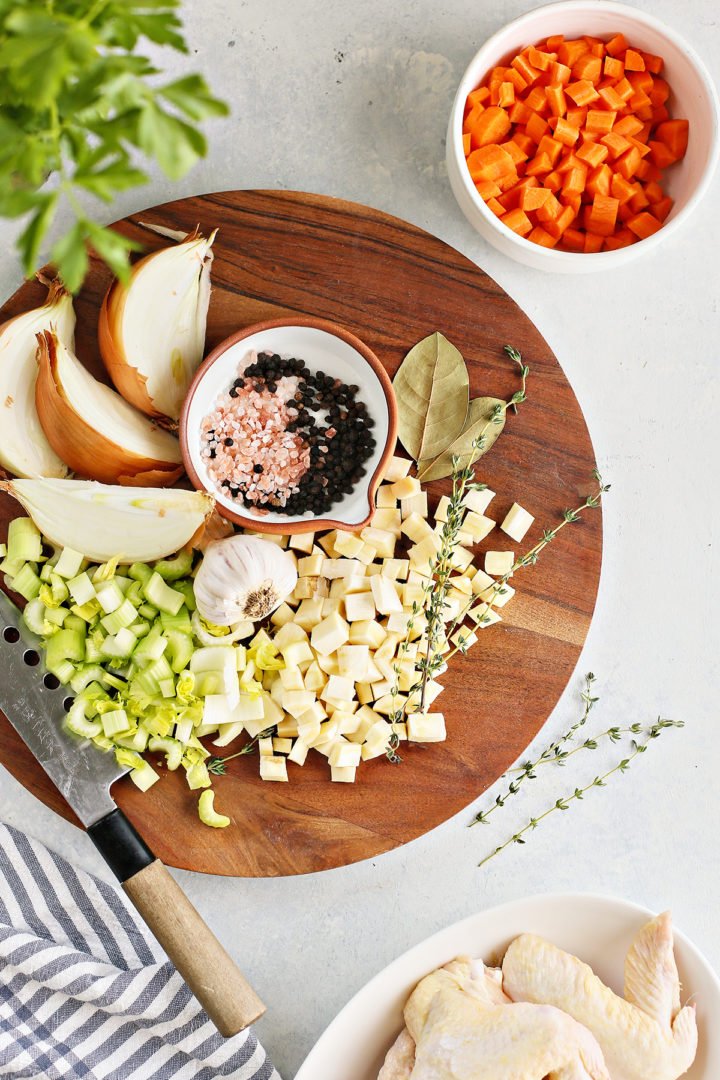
[{"x": 86, "y": 993}]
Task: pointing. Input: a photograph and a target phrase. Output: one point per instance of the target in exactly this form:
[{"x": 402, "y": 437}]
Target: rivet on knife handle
[{"x": 211, "y": 974}]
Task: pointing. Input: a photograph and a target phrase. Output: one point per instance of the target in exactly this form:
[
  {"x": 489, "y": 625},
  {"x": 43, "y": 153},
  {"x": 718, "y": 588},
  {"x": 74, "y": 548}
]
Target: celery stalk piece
[
  {"x": 208, "y": 814},
  {"x": 24, "y": 540},
  {"x": 81, "y": 588},
  {"x": 140, "y": 571},
  {"x": 186, "y": 588},
  {"x": 26, "y": 582},
  {"x": 177, "y": 567},
  {"x": 55, "y": 616},
  {"x": 109, "y": 596},
  {"x": 62, "y": 646},
  {"x": 181, "y": 621},
  {"x": 69, "y": 563},
  {"x": 114, "y": 722},
  {"x": 74, "y": 622},
  {"x": 197, "y": 776},
  {"x": 122, "y": 617},
  {"x": 144, "y": 776},
  {"x": 180, "y": 649},
  {"x": 3, "y": 551},
  {"x": 77, "y": 721},
  {"x": 163, "y": 596}
]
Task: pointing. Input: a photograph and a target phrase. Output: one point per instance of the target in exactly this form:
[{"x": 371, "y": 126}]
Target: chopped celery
[
  {"x": 198, "y": 776},
  {"x": 167, "y": 687},
  {"x": 181, "y": 621},
  {"x": 115, "y": 682},
  {"x": 140, "y": 627},
  {"x": 137, "y": 741},
  {"x": 152, "y": 646},
  {"x": 10, "y": 567},
  {"x": 34, "y": 616},
  {"x": 88, "y": 611},
  {"x": 81, "y": 589},
  {"x": 186, "y": 588},
  {"x": 148, "y": 611},
  {"x": 58, "y": 588},
  {"x": 115, "y": 721},
  {"x": 140, "y": 571},
  {"x": 26, "y": 582},
  {"x": 172, "y": 749},
  {"x": 109, "y": 595},
  {"x": 106, "y": 570},
  {"x": 103, "y": 742},
  {"x": 179, "y": 650},
  {"x": 63, "y": 670},
  {"x": 74, "y": 622},
  {"x": 123, "y": 583},
  {"x": 121, "y": 617},
  {"x": 123, "y": 756},
  {"x": 55, "y": 616},
  {"x": 184, "y": 728},
  {"x": 85, "y": 675},
  {"x": 24, "y": 540},
  {"x": 208, "y": 814},
  {"x": 134, "y": 594},
  {"x": 162, "y": 596},
  {"x": 3, "y": 551},
  {"x": 177, "y": 567},
  {"x": 77, "y": 721},
  {"x": 46, "y": 571},
  {"x": 63, "y": 646},
  {"x": 144, "y": 776},
  {"x": 69, "y": 563},
  {"x": 121, "y": 645}
]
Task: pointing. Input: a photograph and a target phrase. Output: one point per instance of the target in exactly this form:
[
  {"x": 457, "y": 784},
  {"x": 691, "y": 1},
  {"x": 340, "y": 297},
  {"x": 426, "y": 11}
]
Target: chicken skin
[{"x": 646, "y": 1035}]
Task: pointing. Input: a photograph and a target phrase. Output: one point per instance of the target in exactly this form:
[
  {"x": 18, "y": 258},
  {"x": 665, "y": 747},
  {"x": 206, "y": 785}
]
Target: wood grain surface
[{"x": 279, "y": 254}]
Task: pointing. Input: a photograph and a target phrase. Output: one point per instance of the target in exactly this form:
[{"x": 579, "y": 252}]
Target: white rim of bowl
[{"x": 568, "y": 257}]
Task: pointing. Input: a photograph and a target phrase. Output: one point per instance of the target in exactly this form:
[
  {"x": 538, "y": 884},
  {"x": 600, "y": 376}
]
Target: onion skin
[
  {"x": 127, "y": 379},
  {"x": 86, "y": 451}
]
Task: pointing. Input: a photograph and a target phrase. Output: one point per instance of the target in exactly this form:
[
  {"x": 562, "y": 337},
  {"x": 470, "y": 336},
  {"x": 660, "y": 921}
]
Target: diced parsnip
[
  {"x": 342, "y": 774},
  {"x": 341, "y": 568},
  {"x": 308, "y": 726},
  {"x": 424, "y": 552},
  {"x": 400, "y": 729},
  {"x": 433, "y": 690},
  {"x": 311, "y": 565},
  {"x": 398, "y": 622},
  {"x": 499, "y": 562},
  {"x": 426, "y": 727},
  {"x": 397, "y": 569},
  {"x": 304, "y": 590},
  {"x": 384, "y": 498},
  {"x": 299, "y": 752},
  {"x": 348, "y": 722},
  {"x": 382, "y": 540},
  {"x": 499, "y": 595},
  {"x": 366, "y": 632},
  {"x": 461, "y": 558},
  {"x": 373, "y": 672},
  {"x": 273, "y": 768},
  {"x": 478, "y": 500},
  {"x": 265, "y": 747},
  {"x": 344, "y": 753},
  {"x": 327, "y": 542},
  {"x": 366, "y": 554},
  {"x": 478, "y": 526},
  {"x": 388, "y": 703},
  {"x": 353, "y": 662},
  {"x": 348, "y": 544},
  {"x": 309, "y": 613},
  {"x": 249, "y": 707},
  {"x": 287, "y": 728},
  {"x": 359, "y": 606},
  {"x": 302, "y": 541},
  {"x": 407, "y": 675},
  {"x": 484, "y": 617},
  {"x": 338, "y": 688},
  {"x": 388, "y": 647},
  {"x": 274, "y": 538},
  {"x": 464, "y": 635},
  {"x": 297, "y": 652},
  {"x": 396, "y": 469},
  {"x": 288, "y": 633},
  {"x": 315, "y": 678},
  {"x": 388, "y": 520},
  {"x": 296, "y": 702},
  {"x": 517, "y": 522},
  {"x": 373, "y": 568},
  {"x": 415, "y": 504},
  {"x": 376, "y": 739},
  {"x": 365, "y": 718},
  {"x": 330, "y": 634},
  {"x": 441, "y": 511},
  {"x": 364, "y": 692},
  {"x": 403, "y": 489},
  {"x": 328, "y": 734},
  {"x": 228, "y": 732},
  {"x": 481, "y": 581},
  {"x": 291, "y": 679},
  {"x": 281, "y": 746},
  {"x": 413, "y": 594},
  {"x": 282, "y": 615},
  {"x": 385, "y": 595},
  {"x": 416, "y": 528},
  {"x": 328, "y": 664}
]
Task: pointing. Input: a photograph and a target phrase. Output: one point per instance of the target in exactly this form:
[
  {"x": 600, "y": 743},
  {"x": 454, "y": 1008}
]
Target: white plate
[{"x": 598, "y": 929}]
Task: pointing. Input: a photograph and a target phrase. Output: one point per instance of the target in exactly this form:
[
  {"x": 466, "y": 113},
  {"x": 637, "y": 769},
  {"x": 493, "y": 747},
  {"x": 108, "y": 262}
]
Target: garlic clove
[
  {"x": 93, "y": 429},
  {"x": 25, "y": 449},
  {"x": 152, "y": 331},
  {"x": 104, "y": 521},
  {"x": 243, "y": 578}
]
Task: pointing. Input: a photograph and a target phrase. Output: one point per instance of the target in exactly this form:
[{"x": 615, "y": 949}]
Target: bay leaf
[
  {"x": 479, "y": 412},
  {"x": 432, "y": 388}
]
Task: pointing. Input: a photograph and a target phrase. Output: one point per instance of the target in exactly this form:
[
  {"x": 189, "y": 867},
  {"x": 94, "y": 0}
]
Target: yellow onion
[
  {"x": 24, "y": 447},
  {"x": 104, "y": 521},
  {"x": 152, "y": 331},
  {"x": 93, "y": 429}
]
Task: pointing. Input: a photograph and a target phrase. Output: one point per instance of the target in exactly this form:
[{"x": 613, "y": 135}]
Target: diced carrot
[
  {"x": 479, "y": 97},
  {"x": 639, "y": 102},
  {"x": 652, "y": 63},
  {"x": 628, "y": 162},
  {"x": 582, "y": 92},
  {"x": 575, "y": 201},
  {"x": 542, "y": 237},
  {"x": 552, "y": 148},
  {"x": 577, "y": 116},
  {"x": 597, "y": 48},
  {"x": 556, "y": 100},
  {"x": 573, "y": 240},
  {"x": 565, "y": 133},
  {"x": 616, "y": 45},
  {"x": 639, "y": 200},
  {"x": 659, "y": 115},
  {"x": 575, "y": 180},
  {"x": 472, "y": 118},
  {"x": 633, "y": 61},
  {"x": 598, "y": 181},
  {"x": 593, "y": 243},
  {"x": 570, "y": 51},
  {"x": 647, "y": 171},
  {"x": 640, "y": 80},
  {"x": 616, "y": 144},
  {"x": 642, "y": 149},
  {"x": 559, "y": 74},
  {"x": 627, "y": 125},
  {"x": 526, "y": 144},
  {"x": 497, "y": 208},
  {"x": 497, "y": 75},
  {"x": 536, "y": 100},
  {"x": 510, "y": 199},
  {"x": 534, "y": 197},
  {"x": 620, "y": 238},
  {"x": 466, "y": 143},
  {"x": 661, "y": 154},
  {"x": 623, "y": 88},
  {"x": 593, "y": 154},
  {"x": 541, "y": 60},
  {"x": 506, "y": 96},
  {"x": 613, "y": 67},
  {"x": 661, "y": 208},
  {"x": 536, "y": 127},
  {"x": 513, "y": 76},
  {"x": 487, "y": 189},
  {"x": 599, "y": 121},
  {"x": 621, "y": 189},
  {"x": 529, "y": 73},
  {"x": 601, "y": 215},
  {"x": 674, "y": 133},
  {"x": 588, "y": 67},
  {"x": 490, "y": 162},
  {"x": 518, "y": 221},
  {"x": 654, "y": 192},
  {"x": 558, "y": 226},
  {"x": 517, "y": 154},
  {"x": 644, "y": 225},
  {"x": 507, "y": 181},
  {"x": 549, "y": 210},
  {"x": 660, "y": 91},
  {"x": 553, "y": 43},
  {"x": 538, "y": 165},
  {"x": 520, "y": 113},
  {"x": 610, "y": 98},
  {"x": 491, "y": 126}
]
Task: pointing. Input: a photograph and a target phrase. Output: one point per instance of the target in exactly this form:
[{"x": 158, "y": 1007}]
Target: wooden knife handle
[
  {"x": 223, "y": 992},
  {"x": 211, "y": 974}
]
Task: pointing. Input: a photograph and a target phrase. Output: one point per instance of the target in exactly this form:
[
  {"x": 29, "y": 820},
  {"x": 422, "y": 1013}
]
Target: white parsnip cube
[
  {"x": 373, "y": 568},
  {"x": 329, "y": 634},
  {"x": 413, "y": 594},
  {"x": 478, "y": 500},
  {"x": 288, "y": 633},
  {"x": 273, "y": 768},
  {"x": 481, "y": 581},
  {"x": 304, "y": 589},
  {"x": 366, "y": 554},
  {"x": 359, "y": 606},
  {"x": 441, "y": 511},
  {"x": 291, "y": 679},
  {"x": 517, "y": 522},
  {"x": 384, "y": 498},
  {"x": 344, "y": 753},
  {"x": 485, "y": 616},
  {"x": 398, "y": 622},
  {"x": 342, "y": 774},
  {"x": 478, "y": 526},
  {"x": 382, "y": 540},
  {"x": 415, "y": 504},
  {"x": 297, "y": 652},
  {"x": 397, "y": 569},
  {"x": 308, "y": 726},
  {"x": 228, "y": 732},
  {"x": 403, "y": 489},
  {"x": 349, "y": 723},
  {"x": 397, "y": 468},
  {"x": 462, "y": 584},
  {"x": 364, "y": 693},
  {"x": 426, "y": 727},
  {"x": 424, "y": 552},
  {"x": 348, "y": 544},
  {"x": 367, "y": 632},
  {"x": 281, "y": 615},
  {"x": 287, "y": 728},
  {"x": 328, "y": 664},
  {"x": 388, "y": 520},
  {"x": 332, "y": 605},
  {"x": 353, "y": 662},
  {"x": 302, "y": 541},
  {"x": 416, "y": 528},
  {"x": 309, "y": 613},
  {"x": 310, "y": 566},
  {"x": 315, "y": 678},
  {"x": 338, "y": 688},
  {"x": 385, "y": 595},
  {"x": 299, "y": 752},
  {"x": 280, "y": 745},
  {"x": 499, "y": 563},
  {"x": 499, "y": 595},
  {"x": 327, "y": 542},
  {"x": 461, "y": 558},
  {"x": 296, "y": 702}
]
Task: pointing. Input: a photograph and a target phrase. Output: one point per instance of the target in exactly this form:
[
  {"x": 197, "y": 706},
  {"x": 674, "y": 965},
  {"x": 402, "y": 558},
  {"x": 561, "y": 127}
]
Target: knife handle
[{"x": 211, "y": 974}]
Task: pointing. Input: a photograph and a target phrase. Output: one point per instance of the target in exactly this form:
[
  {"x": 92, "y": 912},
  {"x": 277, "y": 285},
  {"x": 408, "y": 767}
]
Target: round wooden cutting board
[{"x": 279, "y": 254}]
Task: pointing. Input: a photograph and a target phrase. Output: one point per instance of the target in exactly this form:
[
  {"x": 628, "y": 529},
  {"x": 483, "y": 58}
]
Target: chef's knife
[{"x": 33, "y": 702}]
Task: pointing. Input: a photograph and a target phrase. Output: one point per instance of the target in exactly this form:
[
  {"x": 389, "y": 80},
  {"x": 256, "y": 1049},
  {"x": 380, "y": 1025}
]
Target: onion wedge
[
  {"x": 104, "y": 521},
  {"x": 24, "y": 447},
  {"x": 152, "y": 331},
  {"x": 93, "y": 429}
]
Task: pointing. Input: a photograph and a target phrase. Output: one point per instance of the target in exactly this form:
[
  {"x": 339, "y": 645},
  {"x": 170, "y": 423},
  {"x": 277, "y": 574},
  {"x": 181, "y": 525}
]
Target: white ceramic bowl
[
  {"x": 693, "y": 97},
  {"x": 324, "y": 347},
  {"x": 598, "y": 929}
]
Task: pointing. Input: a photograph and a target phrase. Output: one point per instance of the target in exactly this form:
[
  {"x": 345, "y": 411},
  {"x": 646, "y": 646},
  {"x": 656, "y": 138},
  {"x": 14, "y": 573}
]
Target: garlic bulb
[
  {"x": 24, "y": 447},
  {"x": 152, "y": 331},
  {"x": 243, "y": 577},
  {"x": 102, "y": 521}
]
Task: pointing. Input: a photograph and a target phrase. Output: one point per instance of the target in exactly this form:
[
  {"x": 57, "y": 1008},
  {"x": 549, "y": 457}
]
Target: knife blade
[{"x": 34, "y": 702}]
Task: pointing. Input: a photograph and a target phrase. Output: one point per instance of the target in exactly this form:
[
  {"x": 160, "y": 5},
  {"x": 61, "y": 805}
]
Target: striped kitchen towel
[{"x": 87, "y": 994}]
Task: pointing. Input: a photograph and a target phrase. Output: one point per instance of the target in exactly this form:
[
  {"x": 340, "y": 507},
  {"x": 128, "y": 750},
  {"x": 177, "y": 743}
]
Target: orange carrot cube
[
  {"x": 481, "y": 96},
  {"x": 599, "y": 180},
  {"x": 601, "y": 215},
  {"x": 558, "y": 226},
  {"x": 553, "y": 43},
  {"x": 613, "y": 67},
  {"x": 593, "y": 243},
  {"x": 661, "y": 208},
  {"x": 541, "y": 60},
  {"x": 487, "y": 189},
  {"x": 674, "y": 133},
  {"x": 652, "y": 63},
  {"x": 616, "y": 45},
  {"x": 621, "y": 189},
  {"x": 628, "y": 162},
  {"x": 506, "y": 95},
  {"x": 520, "y": 113},
  {"x": 588, "y": 67},
  {"x": 492, "y": 125},
  {"x": 518, "y": 221},
  {"x": 573, "y": 240},
  {"x": 466, "y": 143},
  {"x": 565, "y": 133},
  {"x": 571, "y": 51},
  {"x": 633, "y": 61},
  {"x": 615, "y": 143},
  {"x": 644, "y": 225},
  {"x": 593, "y": 154},
  {"x": 549, "y": 209},
  {"x": 582, "y": 92},
  {"x": 599, "y": 121},
  {"x": 542, "y": 237},
  {"x": 654, "y": 192},
  {"x": 575, "y": 180},
  {"x": 660, "y": 154},
  {"x": 490, "y": 163},
  {"x": 559, "y": 74},
  {"x": 536, "y": 100},
  {"x": 497, "y": 208},
  {"x": 556, "y": 100},
  {"x": 526, "y": 144},
  {"x": 534, "y": 197},
  {"x": 553, "y": 181},
  {"x": 538, "y": 165},
  {"x": 529, "y": 73},
  {"x": 627, "y": 125},
  {"x": 536, "y": 127}
]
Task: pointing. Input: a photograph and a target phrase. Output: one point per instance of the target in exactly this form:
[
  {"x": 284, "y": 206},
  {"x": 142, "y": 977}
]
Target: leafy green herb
[
  {"x": 217, "y": 765},
  {"x": 76, "y": 107},
  {"x": 432, "y": 390}
]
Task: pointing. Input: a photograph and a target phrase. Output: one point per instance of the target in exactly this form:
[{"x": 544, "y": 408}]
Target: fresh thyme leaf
[{"x": 432, "y": 390}]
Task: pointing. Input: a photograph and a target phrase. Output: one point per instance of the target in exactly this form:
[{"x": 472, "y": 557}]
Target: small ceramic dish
[
  {"x": 325, "y": 347},
  {"x": 692, "y": 96}
]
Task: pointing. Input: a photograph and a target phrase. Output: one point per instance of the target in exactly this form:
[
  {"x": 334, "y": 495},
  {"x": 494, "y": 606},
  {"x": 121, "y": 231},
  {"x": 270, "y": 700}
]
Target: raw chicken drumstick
[{"x": 646, "y": 1036}]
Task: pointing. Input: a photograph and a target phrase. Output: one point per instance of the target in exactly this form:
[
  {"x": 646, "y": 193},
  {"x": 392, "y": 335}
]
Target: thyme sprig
[
  {"x": 217, "y": 765},
  {"x": 563, "y": 803}
]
